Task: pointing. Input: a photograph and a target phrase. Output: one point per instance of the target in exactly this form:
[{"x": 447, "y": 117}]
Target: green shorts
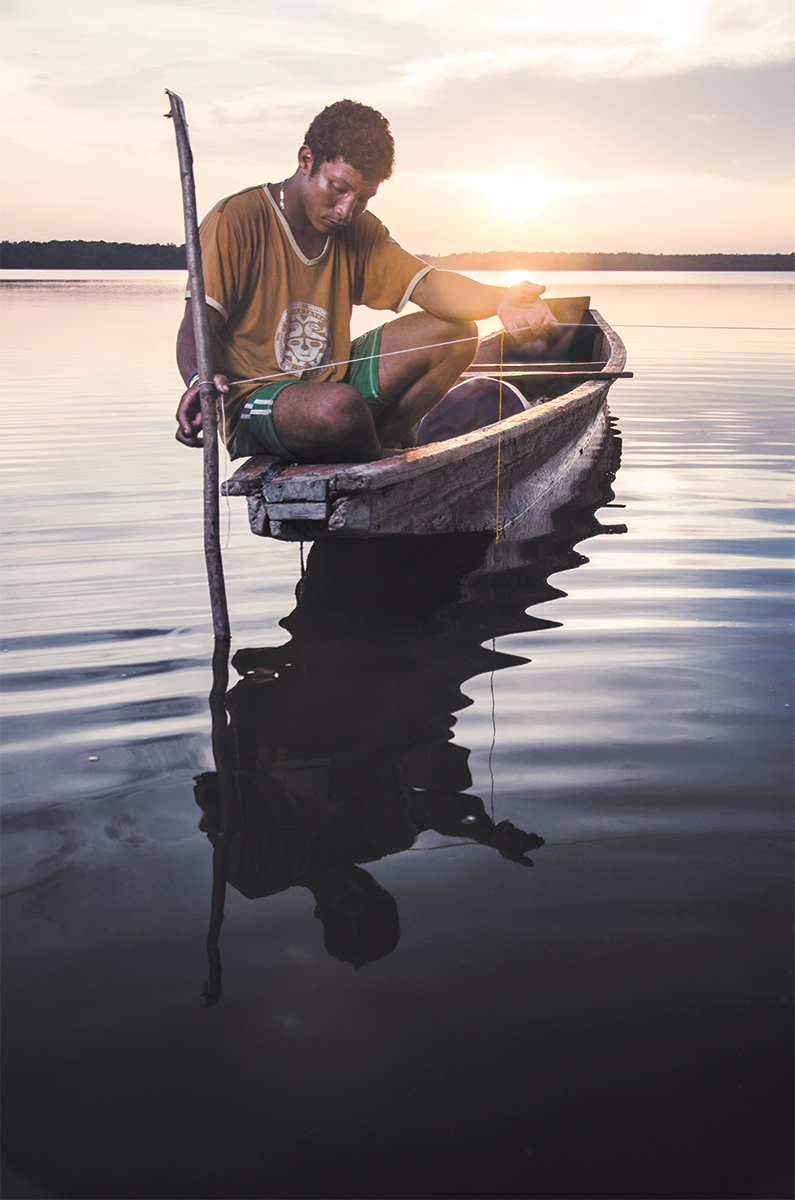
[{"x": 256, "y": 433}]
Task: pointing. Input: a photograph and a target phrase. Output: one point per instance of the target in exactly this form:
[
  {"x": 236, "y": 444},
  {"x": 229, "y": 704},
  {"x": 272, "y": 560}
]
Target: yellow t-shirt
[{"x": 285, "y": 315}]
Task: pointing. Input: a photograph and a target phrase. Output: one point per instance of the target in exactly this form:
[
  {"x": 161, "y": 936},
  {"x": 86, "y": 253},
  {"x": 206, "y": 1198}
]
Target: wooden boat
[{"x": 497, "y": 473}]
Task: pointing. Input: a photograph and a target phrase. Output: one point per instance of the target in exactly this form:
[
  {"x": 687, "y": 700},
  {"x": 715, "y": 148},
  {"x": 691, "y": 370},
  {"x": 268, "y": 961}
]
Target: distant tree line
[
  {"x": 155, "y": 256},
  {"x": 109, "y": 256},
  {"x": 511, "y": 260}
]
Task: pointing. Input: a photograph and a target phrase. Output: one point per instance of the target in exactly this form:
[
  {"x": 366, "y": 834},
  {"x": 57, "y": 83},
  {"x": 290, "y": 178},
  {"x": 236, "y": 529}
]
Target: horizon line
[{"x": 447, "y": 253}]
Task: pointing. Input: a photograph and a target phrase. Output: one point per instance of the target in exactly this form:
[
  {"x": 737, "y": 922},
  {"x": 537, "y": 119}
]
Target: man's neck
[{"x": 309, "y": 240}]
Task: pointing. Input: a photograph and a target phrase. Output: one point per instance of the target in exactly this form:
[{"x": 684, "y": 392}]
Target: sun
[{"x": 519, "y": 195}]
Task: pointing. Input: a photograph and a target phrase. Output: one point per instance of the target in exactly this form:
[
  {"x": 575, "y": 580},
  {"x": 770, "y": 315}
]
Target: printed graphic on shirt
[{"x": 302, "y": 341}]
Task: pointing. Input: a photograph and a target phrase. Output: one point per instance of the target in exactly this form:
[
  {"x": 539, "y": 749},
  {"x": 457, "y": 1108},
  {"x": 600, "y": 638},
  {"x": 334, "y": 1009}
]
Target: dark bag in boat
[{"x": 467, "y": 406}]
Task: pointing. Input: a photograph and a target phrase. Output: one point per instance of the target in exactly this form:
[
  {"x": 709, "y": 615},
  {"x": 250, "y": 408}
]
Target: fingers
[
  {"x": 524, "y": 314},
  {"x": 540, "y": 319},
  {"x": 525, "y": 292},
  {"x": 189, "y": 414},
  {"x": 529, "y": 322},
  {"x": 189, "y": 420},
  {"x": 195, "y": 442}
]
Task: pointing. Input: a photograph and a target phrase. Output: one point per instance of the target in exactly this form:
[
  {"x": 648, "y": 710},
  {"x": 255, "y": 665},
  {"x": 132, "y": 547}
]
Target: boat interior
[{"x": 578, "y": 343}]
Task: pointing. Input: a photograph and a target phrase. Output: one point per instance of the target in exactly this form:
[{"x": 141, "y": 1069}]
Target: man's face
[{"x": 335, "y": 195}]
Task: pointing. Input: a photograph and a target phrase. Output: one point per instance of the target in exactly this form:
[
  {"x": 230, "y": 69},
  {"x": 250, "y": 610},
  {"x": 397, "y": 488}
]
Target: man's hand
[
  {"x": 514, "y": 843},
  {"x": 524, "y": 314},
  {"x": 189, "y": 413}
]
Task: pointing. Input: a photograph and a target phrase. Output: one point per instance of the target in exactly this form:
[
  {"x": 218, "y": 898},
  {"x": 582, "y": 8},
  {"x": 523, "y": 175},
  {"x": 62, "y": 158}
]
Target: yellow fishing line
[{"x": 499, "y": 443}]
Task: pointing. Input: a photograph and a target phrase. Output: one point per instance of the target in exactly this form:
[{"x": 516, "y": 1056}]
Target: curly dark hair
[{"x": 358, "y": 134}]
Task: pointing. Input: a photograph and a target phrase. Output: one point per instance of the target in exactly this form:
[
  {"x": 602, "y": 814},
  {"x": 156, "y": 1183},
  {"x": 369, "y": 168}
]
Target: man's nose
[{"x": 344, "y": 208}]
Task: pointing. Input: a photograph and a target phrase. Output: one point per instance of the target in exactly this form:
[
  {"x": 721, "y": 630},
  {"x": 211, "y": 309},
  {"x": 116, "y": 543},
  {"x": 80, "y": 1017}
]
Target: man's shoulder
[
  {"x": 243, "y": 205},
  {"x": 363, "y": 233},
  {"x": 369, "y": 224}
]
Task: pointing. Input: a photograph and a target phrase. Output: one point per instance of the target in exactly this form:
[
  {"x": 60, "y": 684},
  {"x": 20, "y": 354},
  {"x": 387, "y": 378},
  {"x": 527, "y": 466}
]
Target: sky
[{"x": 660, "y": 126}]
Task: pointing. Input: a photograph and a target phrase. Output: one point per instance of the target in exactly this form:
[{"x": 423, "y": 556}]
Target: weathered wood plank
[
  {"x": 536, "y": 376},
  {"x": 351, "y": 514},
  {"x": 298, "y": 531},
  {"x": 297, "y": 510},
  {"x": 451, "y": 499},
  {"x": 522, "y": 428},
  {"x": 552, "y": 367},
  {"x": 248, "y": 478},
  {"x": 296, "y": 487},
  {"x": 257, "y": 516}
]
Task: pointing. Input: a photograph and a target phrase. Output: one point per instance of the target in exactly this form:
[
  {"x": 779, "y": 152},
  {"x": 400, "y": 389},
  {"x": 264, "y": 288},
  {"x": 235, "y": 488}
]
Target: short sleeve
[
  {"x": 223, "y": 261},
  {"x": 388, "y": 274}
]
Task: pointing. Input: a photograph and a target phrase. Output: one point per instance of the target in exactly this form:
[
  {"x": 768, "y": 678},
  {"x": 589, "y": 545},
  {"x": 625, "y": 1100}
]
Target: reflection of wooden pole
[
  {"x": 226, "y": 817},
  {"x": 204, "y": 365},
  {"x": 212, "y": 991}
]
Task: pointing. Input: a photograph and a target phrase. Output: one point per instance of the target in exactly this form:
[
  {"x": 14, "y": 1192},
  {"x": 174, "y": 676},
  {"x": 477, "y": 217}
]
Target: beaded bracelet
[{"x": 193, "y": 379}]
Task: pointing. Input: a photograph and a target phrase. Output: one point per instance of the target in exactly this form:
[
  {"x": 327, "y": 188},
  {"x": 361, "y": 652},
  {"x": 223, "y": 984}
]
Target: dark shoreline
[
  {"x": 121, "y": 256},
  {"x": 509, "y": 260}
]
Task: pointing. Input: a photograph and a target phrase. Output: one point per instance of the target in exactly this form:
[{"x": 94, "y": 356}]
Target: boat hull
[{"x": 484, "y": 480}]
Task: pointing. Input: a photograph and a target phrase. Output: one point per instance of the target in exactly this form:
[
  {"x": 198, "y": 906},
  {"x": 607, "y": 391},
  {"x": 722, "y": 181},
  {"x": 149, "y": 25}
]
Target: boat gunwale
[
  {"x": 360, "y": 476},
  {"x": 274, "y": 480},
  {"x": 350, "y": 478}
]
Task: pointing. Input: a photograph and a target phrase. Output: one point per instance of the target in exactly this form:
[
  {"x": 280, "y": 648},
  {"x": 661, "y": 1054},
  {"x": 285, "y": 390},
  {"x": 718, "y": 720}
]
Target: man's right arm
[
  {"x": 189, "y": 419},
  {"x": 450, "y": 294}
]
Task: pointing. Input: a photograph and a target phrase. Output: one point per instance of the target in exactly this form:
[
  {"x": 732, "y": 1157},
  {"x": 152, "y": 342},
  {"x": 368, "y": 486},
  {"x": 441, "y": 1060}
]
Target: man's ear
[{"x": 305, "y": 160}]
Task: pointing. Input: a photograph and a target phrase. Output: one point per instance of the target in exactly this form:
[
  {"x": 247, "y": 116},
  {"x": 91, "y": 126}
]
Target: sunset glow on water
[{"x": 621, "y": 689}]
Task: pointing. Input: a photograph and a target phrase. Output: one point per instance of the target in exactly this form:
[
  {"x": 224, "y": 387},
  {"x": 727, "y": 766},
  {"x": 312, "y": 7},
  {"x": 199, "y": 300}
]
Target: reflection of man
[
  {"x": 285, "y": 262},
  {"x": 309, "y": 825},
  {"x": 339, "y": 742}
]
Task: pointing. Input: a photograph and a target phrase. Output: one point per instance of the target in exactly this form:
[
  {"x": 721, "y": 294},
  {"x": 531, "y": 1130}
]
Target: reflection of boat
[
  {"x": 336, "y": 749},
  {"x": 454, "y": 485}
]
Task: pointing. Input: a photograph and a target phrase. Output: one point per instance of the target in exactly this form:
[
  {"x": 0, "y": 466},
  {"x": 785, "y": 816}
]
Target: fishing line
[
  {"x": 441, "y": 846},
  {"x": 499, "y": 443},
  {"x": 226, "y": 474},
  {"x": 716, "y": 328},
  {"x": 346, "y": 362},
  {"x": 493, "y": 731}
]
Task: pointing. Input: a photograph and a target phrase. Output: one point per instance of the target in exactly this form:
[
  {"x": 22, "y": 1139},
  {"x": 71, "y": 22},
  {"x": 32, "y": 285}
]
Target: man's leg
[
  {"x": 325, "y": 422},
  {"x": 330, "y": 422},
  {"x": 416, "y": 379}
]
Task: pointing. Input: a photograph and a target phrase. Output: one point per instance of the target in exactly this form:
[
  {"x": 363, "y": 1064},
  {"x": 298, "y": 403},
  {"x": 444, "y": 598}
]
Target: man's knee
[
  {"x": 325, "y": 422},
  {"x": 459, "y": 343},
  {"x": 343, "y": 423},
  {"x": 340, "y": 410}
]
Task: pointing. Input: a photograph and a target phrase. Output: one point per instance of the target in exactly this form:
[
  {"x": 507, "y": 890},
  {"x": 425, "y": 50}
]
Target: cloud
[
  {"x": 616, "y": 39},
  {"x": 593, "y": 129},
  {"x": 582, "y": 93}
]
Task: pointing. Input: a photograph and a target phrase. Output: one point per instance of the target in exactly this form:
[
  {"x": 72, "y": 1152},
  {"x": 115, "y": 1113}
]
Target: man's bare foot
[{"x": 410, "y": 440}]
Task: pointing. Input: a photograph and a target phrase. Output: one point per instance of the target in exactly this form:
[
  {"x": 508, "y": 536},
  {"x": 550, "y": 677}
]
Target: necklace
[{"x": 281, "y": 197}]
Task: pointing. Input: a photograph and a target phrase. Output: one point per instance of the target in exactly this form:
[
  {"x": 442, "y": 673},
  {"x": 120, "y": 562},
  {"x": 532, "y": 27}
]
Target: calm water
[{"x": 614, "y": 1022}]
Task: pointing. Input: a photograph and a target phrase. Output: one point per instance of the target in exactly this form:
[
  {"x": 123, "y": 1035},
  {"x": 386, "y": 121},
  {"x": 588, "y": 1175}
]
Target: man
[{"x": 284, "y": 264}]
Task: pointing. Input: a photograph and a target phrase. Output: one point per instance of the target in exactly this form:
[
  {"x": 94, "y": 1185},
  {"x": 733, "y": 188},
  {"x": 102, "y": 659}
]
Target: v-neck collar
[{"x": 309, "y": 262}]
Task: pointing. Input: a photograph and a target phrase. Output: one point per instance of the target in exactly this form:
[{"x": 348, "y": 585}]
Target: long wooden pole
[{"x": 204, "y": 365}]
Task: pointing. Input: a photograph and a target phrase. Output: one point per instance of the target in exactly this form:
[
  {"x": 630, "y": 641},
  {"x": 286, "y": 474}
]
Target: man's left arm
[{"x": 452, "y": 296}]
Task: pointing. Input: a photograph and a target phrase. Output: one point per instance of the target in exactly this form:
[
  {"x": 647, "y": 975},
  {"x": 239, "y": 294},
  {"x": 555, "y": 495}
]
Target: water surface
[{"x": 614, "y": 1021}]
